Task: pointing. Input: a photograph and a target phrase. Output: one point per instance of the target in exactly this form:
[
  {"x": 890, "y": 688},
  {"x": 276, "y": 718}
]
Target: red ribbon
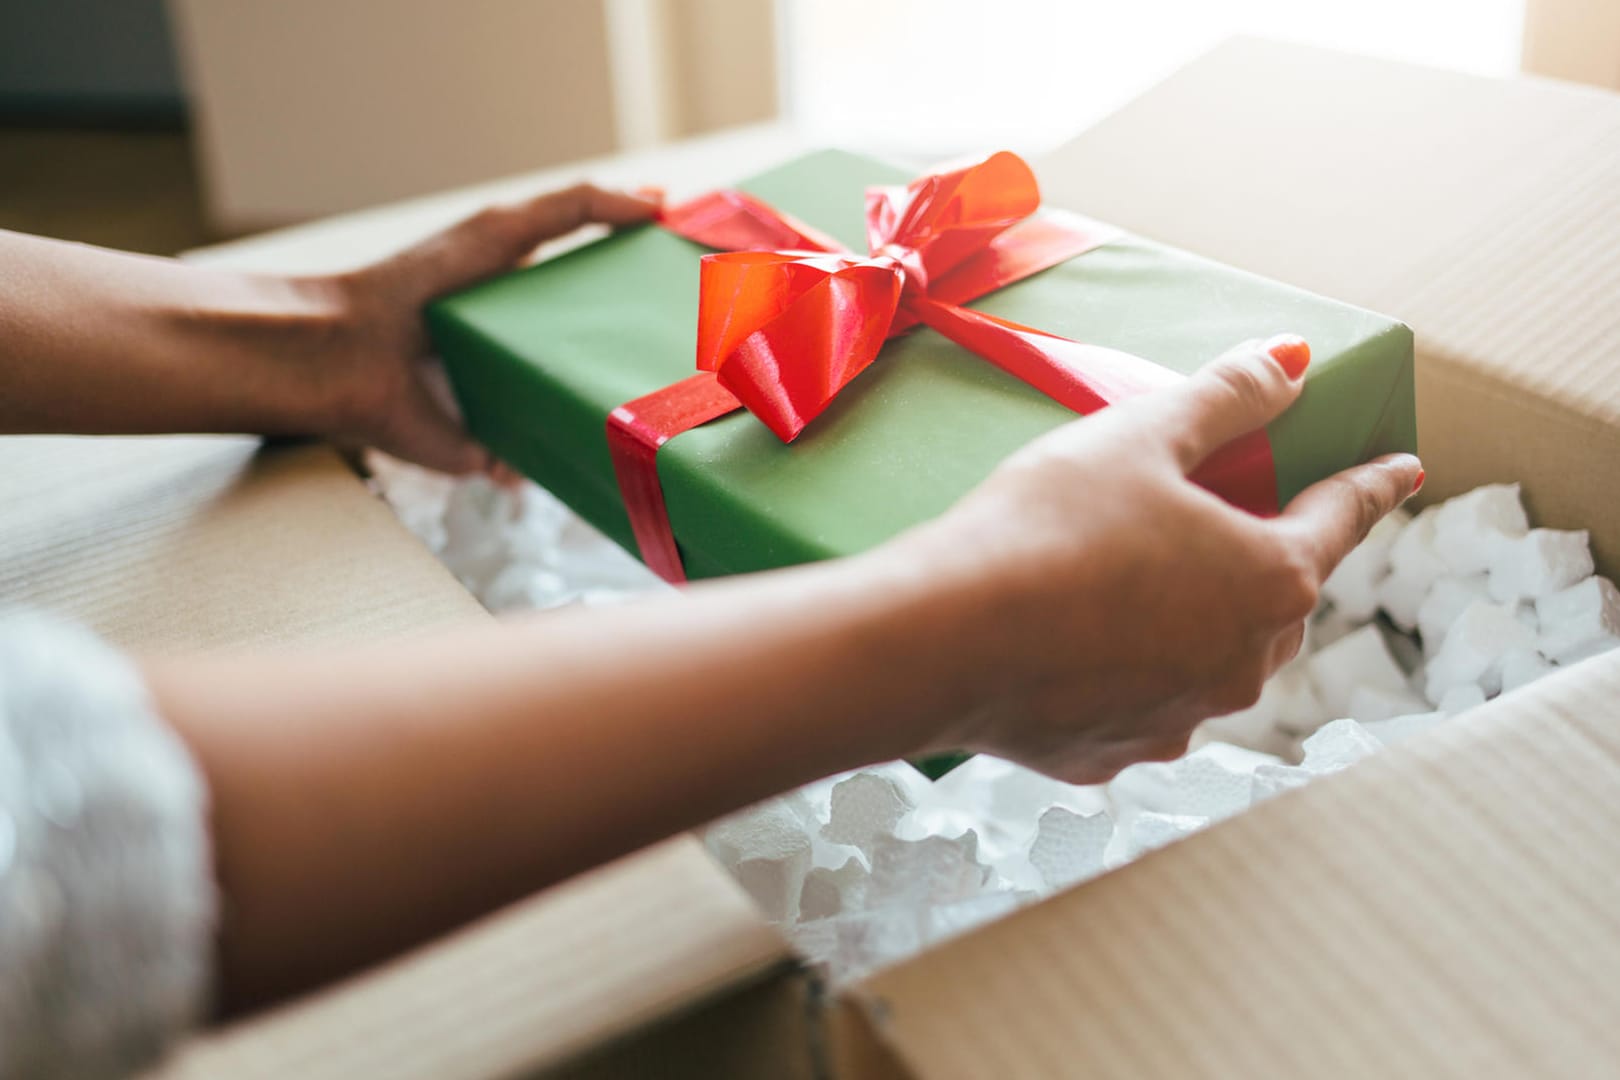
[{"x": 787, "y": 318}]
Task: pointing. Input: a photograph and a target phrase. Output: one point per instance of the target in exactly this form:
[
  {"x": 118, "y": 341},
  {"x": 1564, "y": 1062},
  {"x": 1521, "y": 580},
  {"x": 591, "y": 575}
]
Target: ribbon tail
[
  {"x": 635, "y": 431},
  {"x": 729, "y": 220},
  {"x": 1082, "y": 377},
  {"x": 1086, "y": 378}
]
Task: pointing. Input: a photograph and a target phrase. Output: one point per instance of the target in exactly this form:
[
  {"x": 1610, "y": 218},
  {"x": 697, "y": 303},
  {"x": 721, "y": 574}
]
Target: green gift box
[{"x": 540, "y": 358}]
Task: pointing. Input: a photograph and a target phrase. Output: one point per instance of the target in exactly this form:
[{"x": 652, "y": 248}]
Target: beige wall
[
  {"x": 724, "y": 55},
  {"x": 310, "y": 107},
  {"x": 1573, "y": 39}
]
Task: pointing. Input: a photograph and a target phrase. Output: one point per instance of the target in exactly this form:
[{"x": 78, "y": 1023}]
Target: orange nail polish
[
  {"x": 1292, "y": 353},
  {"x": 1417, "y": 485}
]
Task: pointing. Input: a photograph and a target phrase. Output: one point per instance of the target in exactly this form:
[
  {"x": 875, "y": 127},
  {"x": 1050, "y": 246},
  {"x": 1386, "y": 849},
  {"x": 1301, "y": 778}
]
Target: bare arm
[
  {"x": 367, "y": 801},
  {"x": 101, "y": 342},
  {"x": 1083, "y": 610}
]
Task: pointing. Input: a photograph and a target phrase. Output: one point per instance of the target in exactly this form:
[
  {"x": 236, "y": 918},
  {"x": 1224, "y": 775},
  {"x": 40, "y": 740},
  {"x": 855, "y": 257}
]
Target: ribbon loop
[{"x": 761, "y": 313}]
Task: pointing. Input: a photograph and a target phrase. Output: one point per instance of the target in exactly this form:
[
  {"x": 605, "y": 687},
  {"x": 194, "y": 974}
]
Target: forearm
[
  {"x": 366, "y": 801},
  {"x": 100, "y": 342}
]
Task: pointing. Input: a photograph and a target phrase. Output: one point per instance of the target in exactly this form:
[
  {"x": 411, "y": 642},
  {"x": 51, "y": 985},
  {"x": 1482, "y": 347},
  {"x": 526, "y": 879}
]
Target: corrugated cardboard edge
[
  {"x": 1448, "y": 908},
  {"x": 530, "y": 989},
  {"x": 176, "y": 543}
]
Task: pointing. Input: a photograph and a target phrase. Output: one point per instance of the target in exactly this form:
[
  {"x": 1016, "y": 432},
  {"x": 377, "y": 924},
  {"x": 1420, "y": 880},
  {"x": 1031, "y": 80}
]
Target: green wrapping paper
[{"x": 540, "y": 357}]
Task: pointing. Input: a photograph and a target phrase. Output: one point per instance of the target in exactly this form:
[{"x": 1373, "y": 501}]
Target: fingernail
[
  {"x": 1417, "y": 485},
  {"x": 650, "y": 193},
  {"x": 1291, "y": 352}
]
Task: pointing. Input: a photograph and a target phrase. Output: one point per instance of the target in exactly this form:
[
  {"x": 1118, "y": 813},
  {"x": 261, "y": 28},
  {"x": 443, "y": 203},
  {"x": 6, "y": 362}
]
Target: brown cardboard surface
[
  {"x": 755, "y": 1030},
  {"x": 1485, "y": 213},
  {"x": 1448, "y": 908},
  {"x": 164, "y": 543},
  {"x": 536, "y": 987}
]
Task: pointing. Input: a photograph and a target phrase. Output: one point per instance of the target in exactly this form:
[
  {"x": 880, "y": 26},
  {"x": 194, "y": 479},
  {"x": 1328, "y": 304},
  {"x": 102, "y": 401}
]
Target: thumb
[{"x": 1244, "y": 390}]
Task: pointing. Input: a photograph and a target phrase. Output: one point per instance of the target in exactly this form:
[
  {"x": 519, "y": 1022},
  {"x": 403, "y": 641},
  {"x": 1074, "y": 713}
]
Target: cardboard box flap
[
  {"x": 1483, "y": 212},
  {"x": 1447, "y": 908},
  {"x": 526, "y": 990},
  {"x": 192, "y": 542}
]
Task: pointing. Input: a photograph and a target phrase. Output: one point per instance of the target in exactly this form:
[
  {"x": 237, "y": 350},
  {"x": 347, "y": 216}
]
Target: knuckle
[
  {"x": 1290, "y": 645},
  {"x": 1241, "y": 689},
  {"x": 578, "y": 200},
  {"x": 1169, "y": 748},
  {"x": 490, "y": 225},
  {"x": 1294, "y": 586},
  {"x": 1246, "y": 390},
  {"x": 1369, "y": 506}
]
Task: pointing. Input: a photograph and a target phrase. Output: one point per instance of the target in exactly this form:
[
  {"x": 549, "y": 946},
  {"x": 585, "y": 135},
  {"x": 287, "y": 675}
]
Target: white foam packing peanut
[
  {"x": 1288, "y": 706},
  {"x": 1539, "y": 563},
  {"x": 863, "y": 808},
  {"x": 1359, "y": 659},
  {"x": 829, "y": 891},
  {"x": 767, "y": 850},
  {"x": 1352, "y": 588},
  {"x": 1448, "y": 598},
  {"x": 1474, "y": 648},
  {"x": 934, "y": 869},
  {"x": 1272, "y": 780},
  {"x": 1338, "y": 746},
  {"x": 1150, "y": 831},
  {"x": 1210, "y": 783},
  {"x": 1400, "y": 728},
  {"x": 1068, "y": 847},
  {"x": 1468, "y": 528},
  {"x": 1461, "y": 699},
  {"x": 1520, "y": 667},
  {"x": 1580, "y": 621},
  {"x": 1368, "y": 703},
  {"x": 1414, "y": 565},
  {"x": 1002, "y": 791}
]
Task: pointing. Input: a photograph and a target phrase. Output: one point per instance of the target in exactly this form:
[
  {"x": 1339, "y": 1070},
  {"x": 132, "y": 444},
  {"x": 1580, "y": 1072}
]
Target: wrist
[
  {"x": 264, "y": 344},
  {"x": 937, "y": 621}
]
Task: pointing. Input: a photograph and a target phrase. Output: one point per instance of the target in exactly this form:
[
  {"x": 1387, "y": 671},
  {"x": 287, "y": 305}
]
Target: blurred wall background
[
  {"x": 88, "y": 61},
  {"x": 942, "y": 77},
  {"x": 157, "y": 124}
]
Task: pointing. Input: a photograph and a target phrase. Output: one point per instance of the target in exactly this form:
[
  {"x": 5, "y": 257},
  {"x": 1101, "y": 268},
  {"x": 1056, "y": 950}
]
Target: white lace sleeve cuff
[{"x": 106, "y": 893}]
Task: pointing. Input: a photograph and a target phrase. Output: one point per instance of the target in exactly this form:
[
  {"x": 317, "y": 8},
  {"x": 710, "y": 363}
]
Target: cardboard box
[{"x": 1444, "y": 909}]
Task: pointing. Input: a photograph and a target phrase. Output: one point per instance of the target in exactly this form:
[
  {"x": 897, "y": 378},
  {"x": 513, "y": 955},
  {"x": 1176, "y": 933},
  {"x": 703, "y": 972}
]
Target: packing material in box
[{"x": 542, "y": 359}]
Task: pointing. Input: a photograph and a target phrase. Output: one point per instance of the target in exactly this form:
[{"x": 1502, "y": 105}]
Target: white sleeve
[{"x": 107, "y": 901}]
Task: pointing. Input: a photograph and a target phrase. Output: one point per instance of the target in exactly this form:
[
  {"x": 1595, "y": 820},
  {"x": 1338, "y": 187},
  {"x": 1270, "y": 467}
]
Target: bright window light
[{"x": 933, "y": 78}]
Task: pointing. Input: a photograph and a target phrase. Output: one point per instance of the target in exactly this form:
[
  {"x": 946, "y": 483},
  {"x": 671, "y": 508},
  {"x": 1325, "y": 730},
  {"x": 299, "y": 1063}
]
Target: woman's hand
[
  {"x": 1102, "y": 605},
  {"x": 99, "y": 342},
  {"x": 376, "y": 361}
]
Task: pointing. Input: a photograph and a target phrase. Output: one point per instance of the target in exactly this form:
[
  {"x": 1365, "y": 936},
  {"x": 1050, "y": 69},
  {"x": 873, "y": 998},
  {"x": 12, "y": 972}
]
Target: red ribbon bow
[{"x": 787, "y": 318}]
